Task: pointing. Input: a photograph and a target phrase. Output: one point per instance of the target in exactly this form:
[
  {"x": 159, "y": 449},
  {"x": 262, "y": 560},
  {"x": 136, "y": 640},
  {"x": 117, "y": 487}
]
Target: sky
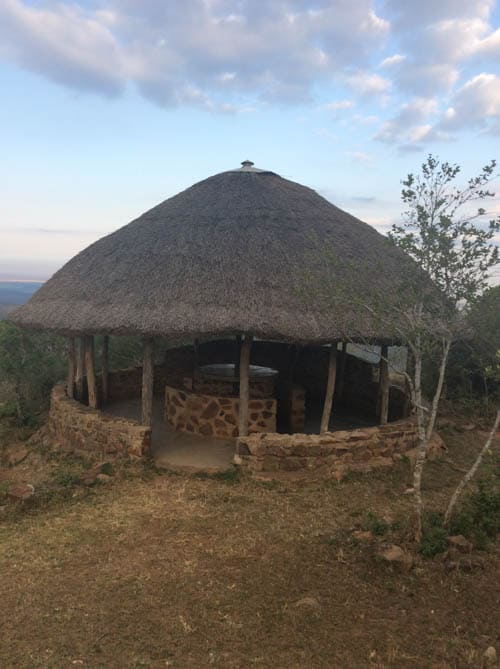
[{"x": 111, "y": 106}]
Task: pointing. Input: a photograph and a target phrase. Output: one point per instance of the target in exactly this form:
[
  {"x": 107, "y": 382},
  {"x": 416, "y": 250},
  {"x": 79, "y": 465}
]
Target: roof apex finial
[{"x": 247, "y": 163}]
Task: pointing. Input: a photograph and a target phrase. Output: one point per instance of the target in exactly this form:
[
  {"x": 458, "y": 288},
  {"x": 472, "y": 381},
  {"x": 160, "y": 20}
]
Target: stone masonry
[
  {"x": 209, "y": 415},
  {"x": 78, "y": 427},
  {"x": 332, "y": 453}
]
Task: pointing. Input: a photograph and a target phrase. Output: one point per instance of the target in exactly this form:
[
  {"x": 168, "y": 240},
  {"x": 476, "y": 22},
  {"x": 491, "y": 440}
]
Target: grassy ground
[{"x": 162, "y": 570}]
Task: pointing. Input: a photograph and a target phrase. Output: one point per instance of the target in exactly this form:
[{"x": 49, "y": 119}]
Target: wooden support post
[
  {"x": 147, "y": 383},
  {"x": 105, "y": 368},
  {"x": 339, "y": 386},
  {"x": 196, "y": 346},
  {"x": 244, "y": 385},
  {"x": 80, "y": 368},
  {"x": 330, "y": 388},
  {"x": 236, "y": 385},
  {"x": 383, "y": 385},
  {"x": 70, "y": 383},
  {"x": 90, "y": 369}
]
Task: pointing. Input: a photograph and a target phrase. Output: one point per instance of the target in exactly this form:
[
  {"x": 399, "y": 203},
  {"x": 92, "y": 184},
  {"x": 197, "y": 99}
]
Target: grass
[{"x": 166, "y": 570}]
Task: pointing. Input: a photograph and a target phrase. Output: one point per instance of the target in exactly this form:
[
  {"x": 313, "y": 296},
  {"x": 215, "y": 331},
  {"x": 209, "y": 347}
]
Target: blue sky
[{"x": 110, "y": 106}]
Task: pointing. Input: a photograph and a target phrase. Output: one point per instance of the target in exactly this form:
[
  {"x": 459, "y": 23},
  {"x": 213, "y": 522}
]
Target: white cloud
[
  {"x": 437, "y": 38},
  {"x": 340, "y": 104},
  {"x": 195, "y": 51},
  {"x": 407, "y": 125},
  {"x": 368, "y": 83},
  {"x": 475, "y": 105},
  {"x": 392, "y": 60}
]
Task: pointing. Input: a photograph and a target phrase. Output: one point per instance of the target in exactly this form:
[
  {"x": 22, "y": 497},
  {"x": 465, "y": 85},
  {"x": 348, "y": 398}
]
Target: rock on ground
[{"x": 396, "y": 556}]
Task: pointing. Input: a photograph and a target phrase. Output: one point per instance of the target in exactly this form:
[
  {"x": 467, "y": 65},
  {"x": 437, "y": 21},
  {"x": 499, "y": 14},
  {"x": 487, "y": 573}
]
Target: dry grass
[{"x": 157, "y": 570}]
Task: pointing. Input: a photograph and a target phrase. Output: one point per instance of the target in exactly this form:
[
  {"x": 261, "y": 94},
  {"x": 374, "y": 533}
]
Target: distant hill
[{"x": 14, "y": 293}]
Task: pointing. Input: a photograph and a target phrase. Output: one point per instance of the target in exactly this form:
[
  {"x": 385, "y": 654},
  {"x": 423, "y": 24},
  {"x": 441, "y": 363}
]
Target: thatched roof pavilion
[{"x": 245, "y": 252}]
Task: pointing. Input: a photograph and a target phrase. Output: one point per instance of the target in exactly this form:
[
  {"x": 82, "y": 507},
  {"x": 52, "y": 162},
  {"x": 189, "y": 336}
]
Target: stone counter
[{"x": 213, "y": 416}]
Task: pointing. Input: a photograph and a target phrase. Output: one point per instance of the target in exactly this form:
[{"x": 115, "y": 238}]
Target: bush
[
  {"x": 30, "y": 364},
  {"x": 478, "y": 518},
  {"x": 434, "y": 536}
]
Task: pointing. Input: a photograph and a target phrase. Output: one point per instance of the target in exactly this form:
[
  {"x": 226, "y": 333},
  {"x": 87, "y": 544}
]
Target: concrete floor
[
  {"x": 178, "y": 449},
  {"x": 174, "y": 449}
]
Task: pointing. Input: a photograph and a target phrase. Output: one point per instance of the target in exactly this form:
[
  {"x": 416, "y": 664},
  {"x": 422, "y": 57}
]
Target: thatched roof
[{"x": 244, "y": 251}]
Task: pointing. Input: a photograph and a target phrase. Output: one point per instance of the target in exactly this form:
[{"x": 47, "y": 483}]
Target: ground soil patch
[{"x": 163, "y": 570}]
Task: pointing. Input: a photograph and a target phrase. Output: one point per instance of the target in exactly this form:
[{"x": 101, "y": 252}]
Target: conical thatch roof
[{"x": 242, "y": 251}]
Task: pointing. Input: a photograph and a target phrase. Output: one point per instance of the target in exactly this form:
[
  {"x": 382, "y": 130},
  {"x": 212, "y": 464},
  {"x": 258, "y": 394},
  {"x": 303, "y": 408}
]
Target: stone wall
[
  {"x": 216, "y": 416},
  {"x": 333, "y": 453},
  {"x": 79, "y": 427}
]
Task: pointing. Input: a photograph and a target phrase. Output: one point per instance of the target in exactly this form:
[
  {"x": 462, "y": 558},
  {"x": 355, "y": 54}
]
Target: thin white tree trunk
[
  {"x": 439, "y": 389},
  {"x": 422, "y": 447},
  {"x": 461, "y": 486},
  {"x": 425, "y": 431}
]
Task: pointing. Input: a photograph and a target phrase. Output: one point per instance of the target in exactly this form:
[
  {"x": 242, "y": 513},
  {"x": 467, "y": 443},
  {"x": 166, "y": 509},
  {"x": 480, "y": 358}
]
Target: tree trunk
[
  {"x": 244, "y": 385},
  {"x": 330, "y": 387},
  {"x": 80, "y": 368},
  {"x": 460, "y": 488},
  {"x": 105, "y": 369},
  {"x": 425, "y": 432},
  {"x": 147, "y": 383},
  {"x": 90, "y": 369},
  {"x": 384, "y": 386},
  {"x": 70, "y": 384}
]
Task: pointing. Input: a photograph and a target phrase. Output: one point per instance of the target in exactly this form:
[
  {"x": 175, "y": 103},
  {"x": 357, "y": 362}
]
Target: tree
[
  {"x": 446, "y": 234},
  {"x": 30, "y": 363}
]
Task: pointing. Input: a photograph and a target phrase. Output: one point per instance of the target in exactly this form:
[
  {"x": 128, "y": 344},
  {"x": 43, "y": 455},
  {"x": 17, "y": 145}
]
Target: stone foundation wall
[
  {"x": 216, "y": 416},
  {"x": 333, "y": 453},
  {"x": 79, "y": 427}
]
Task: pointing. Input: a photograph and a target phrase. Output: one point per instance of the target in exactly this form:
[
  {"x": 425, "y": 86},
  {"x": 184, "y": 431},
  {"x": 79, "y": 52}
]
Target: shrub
[
  {"x": 434, "y": 535},
  {"x": 478, "y": 518}
]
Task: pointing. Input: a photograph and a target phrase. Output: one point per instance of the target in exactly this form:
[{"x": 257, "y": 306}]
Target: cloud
[
  {"x": 407, "y": 125},
  {"x": 66, "y": 44},
  {"x": 475, "y": 105},
  {"x": 436, "y": 39},
  {"x": 368, "y": 83},
  {"x": 206, "y": 53},
  {"x": 81, "y": 232},
  {"x": 340, "y": 104},
  {"x": 392, "y": 60},
  {"x": 360, "y": 157}
]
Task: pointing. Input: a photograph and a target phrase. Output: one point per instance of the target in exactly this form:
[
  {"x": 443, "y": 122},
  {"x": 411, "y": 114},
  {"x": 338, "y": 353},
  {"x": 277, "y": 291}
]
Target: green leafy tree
[
  {"x": 30, "y": 363},
  {"x": 445, "y": 231}
]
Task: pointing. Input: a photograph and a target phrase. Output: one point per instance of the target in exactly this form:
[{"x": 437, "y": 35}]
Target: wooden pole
[
  {"x": 244, "y": 385},
  {"x": 196, "y": 346},
  {"x": 236, "y": 385},
  {"x": 341, "y": 375},
  {"x": 147, "y": 383},
  {"x": 105, "y": 368},
  {"x": 90, "y": 369},
  {"x": 330, "y": 388},
  {"x": 70, "y": 384},
  {"x": 384, "y": 385},
  {"x": 80, "y": 368}
]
